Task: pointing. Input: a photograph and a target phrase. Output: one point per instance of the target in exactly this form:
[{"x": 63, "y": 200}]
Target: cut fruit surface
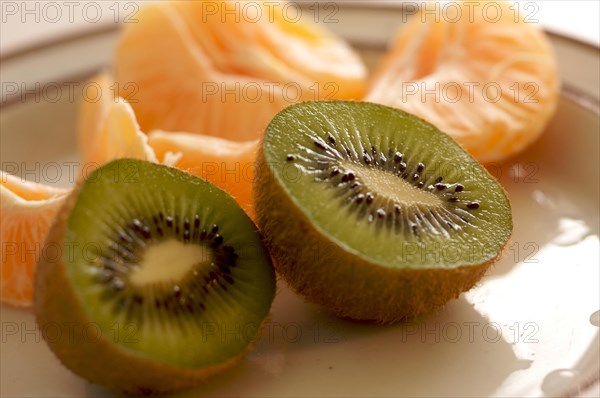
[
  {"x": 374, "y": 212},
  {"x": 27, "y": 209},
  {"x": 168, "y": 255},
  {"x": 208, "y": 62},
  {"x": 439, "y": 193},
  {"x": 491, "y": 82},
  {"x": 227, "y": 164}
]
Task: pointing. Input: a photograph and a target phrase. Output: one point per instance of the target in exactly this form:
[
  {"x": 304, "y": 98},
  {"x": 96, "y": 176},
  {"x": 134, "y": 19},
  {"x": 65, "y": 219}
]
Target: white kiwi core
[
  {"x": 168, "y": 261},
  {"x": 394, "y": 188}
]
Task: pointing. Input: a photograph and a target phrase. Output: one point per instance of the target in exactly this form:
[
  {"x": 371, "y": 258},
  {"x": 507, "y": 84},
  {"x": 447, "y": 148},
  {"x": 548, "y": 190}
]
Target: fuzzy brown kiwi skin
[
  {"x": 99, "y": 361},
  {"x": 346, "y": 285}
]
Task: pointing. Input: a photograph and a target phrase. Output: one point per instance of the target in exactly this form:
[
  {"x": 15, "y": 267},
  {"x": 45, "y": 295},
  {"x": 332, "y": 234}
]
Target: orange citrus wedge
[
  {"x": 108, "y": 129},
  {"x": 228, "y": 164},
  {"x": 482, "y": 74},
  {"x": 202, "y": 67},
  {"x": 92, "y": 115},
  {"x": 27, "y": 209},
  {"x": 120, "y": 137}
]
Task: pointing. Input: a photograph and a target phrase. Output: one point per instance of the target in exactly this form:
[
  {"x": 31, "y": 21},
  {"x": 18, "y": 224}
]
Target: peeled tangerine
[
  {"x": 28, "y": 209},
  {"x": 485, "y": 75},
  {"x": 108, "y": 129},
  {"x": 224, "y": 68}
]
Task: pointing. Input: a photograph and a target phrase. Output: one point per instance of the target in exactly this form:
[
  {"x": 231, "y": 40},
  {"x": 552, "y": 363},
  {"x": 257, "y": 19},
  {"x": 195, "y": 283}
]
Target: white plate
[{"x": 530, "y": 328}]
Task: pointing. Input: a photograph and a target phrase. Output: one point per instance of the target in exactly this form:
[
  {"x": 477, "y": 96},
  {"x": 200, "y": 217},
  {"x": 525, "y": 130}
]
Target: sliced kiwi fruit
[
  {"x": 373, "y": 212},
  {"x": 158, "y": 279}
]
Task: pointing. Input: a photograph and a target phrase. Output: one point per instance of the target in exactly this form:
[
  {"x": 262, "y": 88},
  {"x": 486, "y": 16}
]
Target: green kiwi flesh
[
  {"x": 161, "y": 279},
  {"x": 373, "y": 212}
]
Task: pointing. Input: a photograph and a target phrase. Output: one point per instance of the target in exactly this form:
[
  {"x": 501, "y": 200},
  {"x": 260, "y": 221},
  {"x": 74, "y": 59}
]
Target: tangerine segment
[
  {"x": 227, "y": 164},
  {"x": 27, "y": 209},
  {"x": 490, "y": 81},
  {"x": 268, "y": 41},
  {"x": 201, "y": 69},
  {"x": 108, "y": 129},
  {"x": 121, "y": 137},
  {"x": 92, "y": 115}
]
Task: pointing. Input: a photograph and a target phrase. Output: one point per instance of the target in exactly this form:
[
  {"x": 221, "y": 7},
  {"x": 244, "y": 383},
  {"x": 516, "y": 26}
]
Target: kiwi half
[
  {"x": 160, "y": 279},
  {"x": 373, "y": 212}
]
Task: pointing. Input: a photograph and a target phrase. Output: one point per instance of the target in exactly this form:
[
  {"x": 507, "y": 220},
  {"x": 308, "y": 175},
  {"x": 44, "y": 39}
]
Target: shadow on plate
[{"x": 307, "y": 352}]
